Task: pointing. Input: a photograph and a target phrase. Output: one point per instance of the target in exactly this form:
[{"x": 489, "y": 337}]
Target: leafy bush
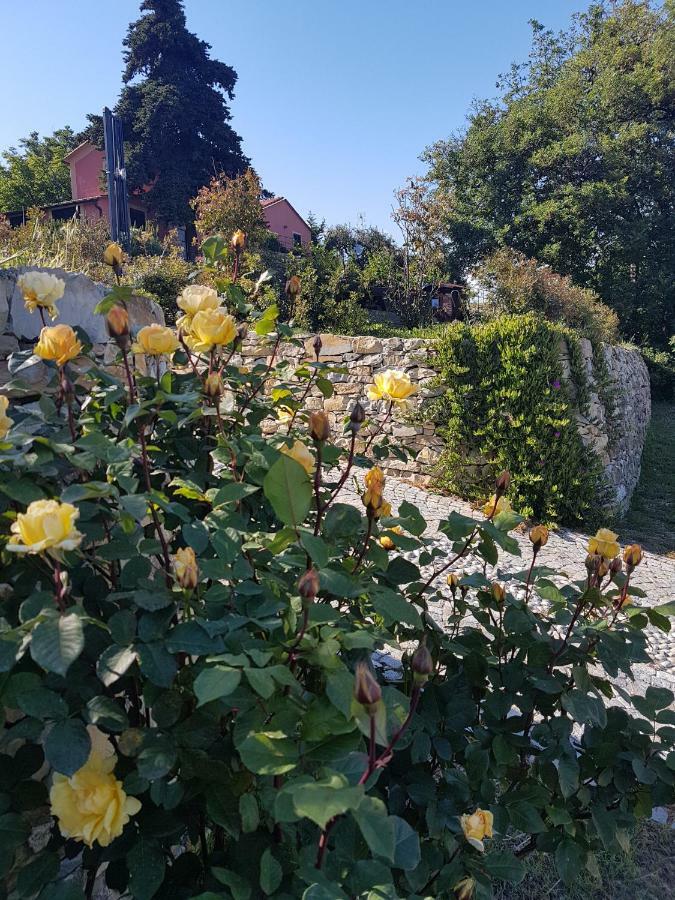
[
  {"x": 517, "y": 285},
  {"x": 661, "y": 365},
  {"x": 187, "y": 619},
  {"x": 226, "y": 204},
  {"x": 162, "y": 276},
  {"x": 506, "y": 405}
]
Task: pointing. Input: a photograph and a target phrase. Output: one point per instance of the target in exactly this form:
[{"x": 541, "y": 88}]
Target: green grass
[
  {"x": 650, "y": 521},
  {"x": 646, "y": 873}
]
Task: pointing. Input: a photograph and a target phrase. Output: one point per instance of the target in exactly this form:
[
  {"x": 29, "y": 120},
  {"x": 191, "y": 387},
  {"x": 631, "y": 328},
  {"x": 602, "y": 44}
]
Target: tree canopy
[
  {"x": 175, "y": 111},
  {"x": 34, "y": 173},
  {"x": 574, "y": 162}
]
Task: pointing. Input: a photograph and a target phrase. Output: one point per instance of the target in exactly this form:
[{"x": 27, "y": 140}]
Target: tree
[
  {"x": 34, "y": 173},
  {"x": 175, "y": 111},
  {"x": 226, "y": 204},
  {"x": 574, "y": 162}
]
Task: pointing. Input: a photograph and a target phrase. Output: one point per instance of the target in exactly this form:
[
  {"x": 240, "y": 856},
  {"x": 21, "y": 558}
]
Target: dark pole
[{"x": 118, "y": 199}]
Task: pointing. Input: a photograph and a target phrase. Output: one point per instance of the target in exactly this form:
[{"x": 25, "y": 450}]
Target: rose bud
[
  {"x": 422, "y": 664},
  {"x": 186, "y": 569},
  {"x": 213, "y": 386},
  {"x": 292, "y": 287},
  {"x": 113, "y": 257},
  {"x": 308, "y": 585},
  {"x": 238, "y": 240},
  {"x": 117, "y": 323},
  {"x": 539, "y": 537},
  {"x": 632, "y": 556},
  {"x": 591, "y": 562},
  {"x": 615, "y": 566},
  {"x": 498, "y": 593},
  {"x": 502, "y": 483},
  {"x": 367, "y": 691},
  {"x": 386, "y": 542},
  {"x": 602, "y": 569},
  {"x": 317, "y": 344},
  {"x": 319, "y": 426},
  {"x": 357, "y": 416},
  {"x": 453, "y": 582}
]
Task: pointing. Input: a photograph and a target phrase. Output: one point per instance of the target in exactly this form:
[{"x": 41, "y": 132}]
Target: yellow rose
[
  {"x": 5, "y": 421},
  {"x": 495, "y": 506},
  {"x": 155, "y": 340},
  {"x": 301, "y": 455},
  {"x": 374, "y": 482},
  {"x": 47, "y": 525},
  {"x": 193, "y": 299},
  {"x": 383, "y": 510},
  {"x": 453, "y": 581},
  {"x": 210, "y": 328},
  {"x": 604, "y": 544},
  {"x": 386, "y": 542},
  {"x": 539, "y": 536},
  {"x": 59, "y": 344},
  {"x": 238, "y": 239},
  {"x": 632, "y": 555},
  {"x": 476, "y": 827},
  {"x": 186, "y": 568},
  {"x": 113, "y": 256},
  {"x": 392, "y": 385},
  {"x": 41, "y": 289},
  {"x": 91, "y": 805}
]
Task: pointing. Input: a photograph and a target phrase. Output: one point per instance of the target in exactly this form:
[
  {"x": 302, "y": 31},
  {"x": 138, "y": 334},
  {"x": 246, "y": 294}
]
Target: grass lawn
[
  {"x": 650, "y": 521},
  {"x": 646, "y": 873}
]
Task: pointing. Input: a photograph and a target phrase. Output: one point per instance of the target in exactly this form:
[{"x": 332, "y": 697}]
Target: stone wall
[
  {"x": 19, "y": 329},
  {"x": 618, "y": 443}
]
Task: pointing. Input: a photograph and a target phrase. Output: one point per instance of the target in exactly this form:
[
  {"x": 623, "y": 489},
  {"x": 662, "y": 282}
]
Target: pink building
[{"x": 89, "y": 200}]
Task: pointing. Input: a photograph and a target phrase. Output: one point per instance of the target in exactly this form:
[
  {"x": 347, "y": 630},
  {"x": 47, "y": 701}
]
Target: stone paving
[{"x": 566, "y": 551}]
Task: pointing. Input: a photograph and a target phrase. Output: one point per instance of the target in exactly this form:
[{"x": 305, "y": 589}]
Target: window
[
  {"x": 66, "y": 212},
  {"x": 297, "y": 239},
  {"x": 137, "y": 217}
]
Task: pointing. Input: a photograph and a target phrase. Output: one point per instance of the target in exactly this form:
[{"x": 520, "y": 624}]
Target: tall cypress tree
[{"x": 175, "y": 111}]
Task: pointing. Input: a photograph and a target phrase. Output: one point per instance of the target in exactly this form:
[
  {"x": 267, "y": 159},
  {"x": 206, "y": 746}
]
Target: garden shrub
[
  {"x": 187, "y": 617},
  {"x": 661, "y": 365},
  {"x": 518, "y": 285},
  {"x": 507, "y": 405}
]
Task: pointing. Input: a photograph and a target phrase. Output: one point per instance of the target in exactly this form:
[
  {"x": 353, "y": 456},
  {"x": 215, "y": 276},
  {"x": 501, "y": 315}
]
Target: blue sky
[{"x": 336, "y": 99}]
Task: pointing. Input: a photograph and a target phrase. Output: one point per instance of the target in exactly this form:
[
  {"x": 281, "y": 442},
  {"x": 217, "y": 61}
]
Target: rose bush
[{"x": 187, "y": 621}]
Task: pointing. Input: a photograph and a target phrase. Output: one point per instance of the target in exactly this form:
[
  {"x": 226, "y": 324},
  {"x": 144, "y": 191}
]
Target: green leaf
[
  {"x": 394, "y": 608},
  {"x": 67, "y": 746},
  {"x": 568, "y": 773},
  {"x": 22, "y": 490},
  {"x": 525, "y": 817},
  {"x": 407, "y": 852},
  {"x": 376, "y": 827},
  {"x": 42, "y": 704},
  {"x": 157, "y": 664},
  {"x": 271, "y": 873},
  {"x": 267, "y": 322},
  {"x": 569, "y": 860},
  {"x": 36, "y": 873},
  {"x": 268, "y": 753},
  {"x": 320, "y": 801},
  {"x": 107, "y": 713},
  {"x": 239, "y": 887},
  {"x": 146, "y": 864},
  {"x": 289, "y": 490},
  {"x": 113, "y": 663},
  {"x": 505, "y": 867},
  {"x": 216, "y": 682},
  {"x": 250, "y": 815},
  {"x": 57, "y": 643},
  {"x": 584, "y": 709},
  {"x": 315, "y": 547},
  {"x": 13, "y": 831},
  {"x": 196, "y": 535}
]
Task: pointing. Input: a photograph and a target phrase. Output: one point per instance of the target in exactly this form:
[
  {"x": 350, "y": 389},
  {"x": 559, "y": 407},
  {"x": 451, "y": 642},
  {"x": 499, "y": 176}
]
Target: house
[{"x": 89, "y": 200}]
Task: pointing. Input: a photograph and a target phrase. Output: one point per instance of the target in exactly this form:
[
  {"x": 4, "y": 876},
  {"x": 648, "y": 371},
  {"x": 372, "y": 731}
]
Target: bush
[
  {"x": 162, "y": 276},
  {"x": 187, "y": 620},
  {"x": 517, "y": 285},
  {"x": 661, "y": 365},
  {"x": 227, "y": 204},
  {"x": 506, "y": 405}
]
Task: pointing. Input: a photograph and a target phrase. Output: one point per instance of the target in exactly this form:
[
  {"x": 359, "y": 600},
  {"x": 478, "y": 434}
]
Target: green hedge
[{"x": 507, "y": 406}]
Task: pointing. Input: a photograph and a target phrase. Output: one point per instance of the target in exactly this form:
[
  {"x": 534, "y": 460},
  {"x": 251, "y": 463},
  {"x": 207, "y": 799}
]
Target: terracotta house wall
[
  {"x": 284, "y": 221},
  {"x": 86, "y": 165}
]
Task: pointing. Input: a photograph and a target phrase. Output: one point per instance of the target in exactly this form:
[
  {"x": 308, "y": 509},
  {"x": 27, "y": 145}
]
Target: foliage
[
  {"x": 506, "y": 405},
  {"x": 661, "y": 365},
  {"x": 573, "y": 164},
  {"x": 72, "y": 244},
  {"x": 226, "y": 204},
  {"x": 518, "y": 285},
  {"x": 224, "y": 680},
  {"x": 34, "y": 174},
  {"x": 175, "y": 112},
  {"x": 162, "y": 276}
]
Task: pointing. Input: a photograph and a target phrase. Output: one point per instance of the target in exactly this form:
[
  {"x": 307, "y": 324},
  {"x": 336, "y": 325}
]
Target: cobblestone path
[{"x": 565, "y": 550}]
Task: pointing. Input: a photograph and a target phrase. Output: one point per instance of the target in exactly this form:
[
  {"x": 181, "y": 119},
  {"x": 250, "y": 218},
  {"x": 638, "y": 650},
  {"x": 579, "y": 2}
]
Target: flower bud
[
  {"x": 317, "y": 344},
  {"x": 292, "y": 288},
  {"x": 502, "y": 483},
  {"x": 591, "y": 562},
  {"x": 386, "y": 542},
  {"x": 632, "y": 556},
  {"x": 213, "y": 386},
  {"x": 615, "y": 566},
  {"x": 238, "y": 240},
  {"x": 421, "y": 663},
  {"x": 357, "y": 417},
  {"x": 602, "y": 569},
  {"x": 117, "y": 323},
  {"x": 367, "y": 691},
  {"x": 186, "y": 569},
  {"x": 498, "y": 593},
  {"x": 319, "y": 426},
  {"x": 453, "y": 582},
  {"x": 113, "y": 257},
  {"x": 308, "y": 585},
  {"x": 539, "y": 537},
  {"x": 240, "y": 337}
]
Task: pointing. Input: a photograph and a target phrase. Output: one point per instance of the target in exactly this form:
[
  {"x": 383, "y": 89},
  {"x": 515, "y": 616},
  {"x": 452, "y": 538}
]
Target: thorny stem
[
  {"x": 302, "y": 401},
  {"x": 378, "y": 431},
  {"x": 42, "y": 316},
  {"x": 264, "y": 378},
  {"x": 58, "y": 587},
  {"x": 345, "y": 474},
  {"x": 317, "y": 486},
  {"x": 529, "y": 576},
  {"x": 374, "y": 762},
  {"x": 366, "y": 541}
]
